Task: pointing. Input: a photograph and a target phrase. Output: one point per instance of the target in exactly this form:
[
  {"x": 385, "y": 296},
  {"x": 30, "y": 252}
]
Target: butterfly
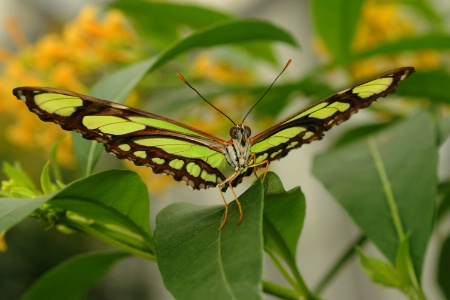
[{"x": 189, "y": 154}]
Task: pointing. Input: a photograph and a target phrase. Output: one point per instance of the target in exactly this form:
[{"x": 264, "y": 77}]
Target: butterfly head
[
  {"x": 238, "y": 150},
  {"x": 240, "y": 133}
]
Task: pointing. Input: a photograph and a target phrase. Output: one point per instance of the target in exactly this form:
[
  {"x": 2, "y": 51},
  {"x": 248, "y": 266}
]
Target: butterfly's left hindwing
[
  {"x": 166, "y": 146},
  {"x": 311, "y": 123}
]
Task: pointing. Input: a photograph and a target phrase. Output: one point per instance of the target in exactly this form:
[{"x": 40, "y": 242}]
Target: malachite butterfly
[{"x": 191, "y": 155}]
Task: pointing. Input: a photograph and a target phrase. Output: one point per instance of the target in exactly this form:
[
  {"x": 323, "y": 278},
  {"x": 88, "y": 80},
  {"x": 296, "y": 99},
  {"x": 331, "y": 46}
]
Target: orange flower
[{"x": 68, "y": 60}]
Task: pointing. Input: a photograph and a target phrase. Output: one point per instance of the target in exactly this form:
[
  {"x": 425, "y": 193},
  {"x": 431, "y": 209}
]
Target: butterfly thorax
[{"x": 238, "y": 150}]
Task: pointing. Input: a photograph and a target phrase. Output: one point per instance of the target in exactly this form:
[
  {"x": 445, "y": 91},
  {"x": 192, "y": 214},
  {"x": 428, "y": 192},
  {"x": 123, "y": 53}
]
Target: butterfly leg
[
  {"x": 254, "y": 165},
  {"x": 225, "y": 215},
  {"x": 241, "y": 212},
  {"x": 229, "y": 181},
  {"x": 266, "y": 168},
  {"x": 251, "y": 161}
]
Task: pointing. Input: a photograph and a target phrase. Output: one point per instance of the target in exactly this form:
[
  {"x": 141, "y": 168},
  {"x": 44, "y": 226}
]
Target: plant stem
[
  {"x": 283, "y": 271},
  {"x": 387, "y": 188},
  {"x": 344, "y": 258},
  {"x": 279, "y": 291},
  {"x": 299, "y": 285}
]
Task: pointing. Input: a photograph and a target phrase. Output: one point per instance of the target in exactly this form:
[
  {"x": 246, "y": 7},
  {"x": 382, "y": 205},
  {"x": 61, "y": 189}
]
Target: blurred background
[{"x": 72, "y": 44}]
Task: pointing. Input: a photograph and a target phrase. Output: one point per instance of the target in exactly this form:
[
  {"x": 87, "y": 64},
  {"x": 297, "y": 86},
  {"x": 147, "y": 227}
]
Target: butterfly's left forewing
[
  {"x": 311, "y": 123},
  {"x": 167, "y": 146}
]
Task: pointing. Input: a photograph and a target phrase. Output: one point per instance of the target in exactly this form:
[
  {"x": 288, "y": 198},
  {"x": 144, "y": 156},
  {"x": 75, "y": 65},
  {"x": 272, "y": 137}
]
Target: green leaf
[
  {"x": 335, "y": 22},
  {"x": 21, "y": 184},
  {"x": 380, "y": 271},
  {"x": 111, "y": 205},
  {"x": 284, "y": 213},
  {"x": 14, "y": 210},
  {"x": 56, "y": 171},
  {"x": 115, "y": 87},
  {"x": 358, "y": 133},
  {"x": 403, "y": 261},
  {"x": 197, "y": 262},
  {"x": 427, "y": 85},
  {"x": 161, "y": 22},
  {"x": 443, "y": 265},
  {"x": 435, "y": 41},
  {"x": 71, "y": 279},
  {"x": 230, "y": 32},
  {"x": 280, "y": 95},
  {"x": 46, "y": 183},
  {"x": 351, "y": 174}
]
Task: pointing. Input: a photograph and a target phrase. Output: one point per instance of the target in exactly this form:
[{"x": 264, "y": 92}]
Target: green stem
[
  {"x": 279, "y": 291},
  {"x": 298, "y": 283},
  {"x": 387, "y": 188},
  {"x": 344, "y": 258},
  {"x": 284, "y": 272},
  {"x": 91, "y": 156}
]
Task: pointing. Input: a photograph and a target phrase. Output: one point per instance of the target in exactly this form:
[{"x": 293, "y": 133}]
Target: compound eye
[
  {"x": 247, "y": 131},
  {"x": 234, "y": 132}
]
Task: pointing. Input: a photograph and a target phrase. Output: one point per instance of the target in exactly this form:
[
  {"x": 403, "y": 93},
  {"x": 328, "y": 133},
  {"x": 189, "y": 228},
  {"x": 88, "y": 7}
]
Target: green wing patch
[{"x": 166, "y": 146}]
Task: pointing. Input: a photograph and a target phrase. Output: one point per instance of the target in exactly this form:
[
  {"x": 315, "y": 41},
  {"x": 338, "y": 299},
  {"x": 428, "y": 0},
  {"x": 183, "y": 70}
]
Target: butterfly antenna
[
  {"x": 268, "y": 89},
  {"x": 198, "y": 93}
]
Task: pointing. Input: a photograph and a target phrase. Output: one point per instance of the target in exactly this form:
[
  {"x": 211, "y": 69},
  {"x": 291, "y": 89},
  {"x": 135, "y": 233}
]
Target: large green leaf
[
  {"x": 427, "y": 84},
  {"x": 435, "y": 41},
  {"x": 111, "y": 205},
  {"x": 335, "y": 22},
  {"x": 14, "y": 210},
  {"x": 71, "y": 279},
  {"x": 387, "y": 184},
  {"x": 230, "y": 32},
  {"x": 284, "y": 213},
  {"x": 197, "y": 262},
  {"x": 161, "y": 22}
]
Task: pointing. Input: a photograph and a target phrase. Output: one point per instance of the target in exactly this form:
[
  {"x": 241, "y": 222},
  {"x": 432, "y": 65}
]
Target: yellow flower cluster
[
  {"x": 69, "y": 60},
  {"x": 383, "y": 22}
]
